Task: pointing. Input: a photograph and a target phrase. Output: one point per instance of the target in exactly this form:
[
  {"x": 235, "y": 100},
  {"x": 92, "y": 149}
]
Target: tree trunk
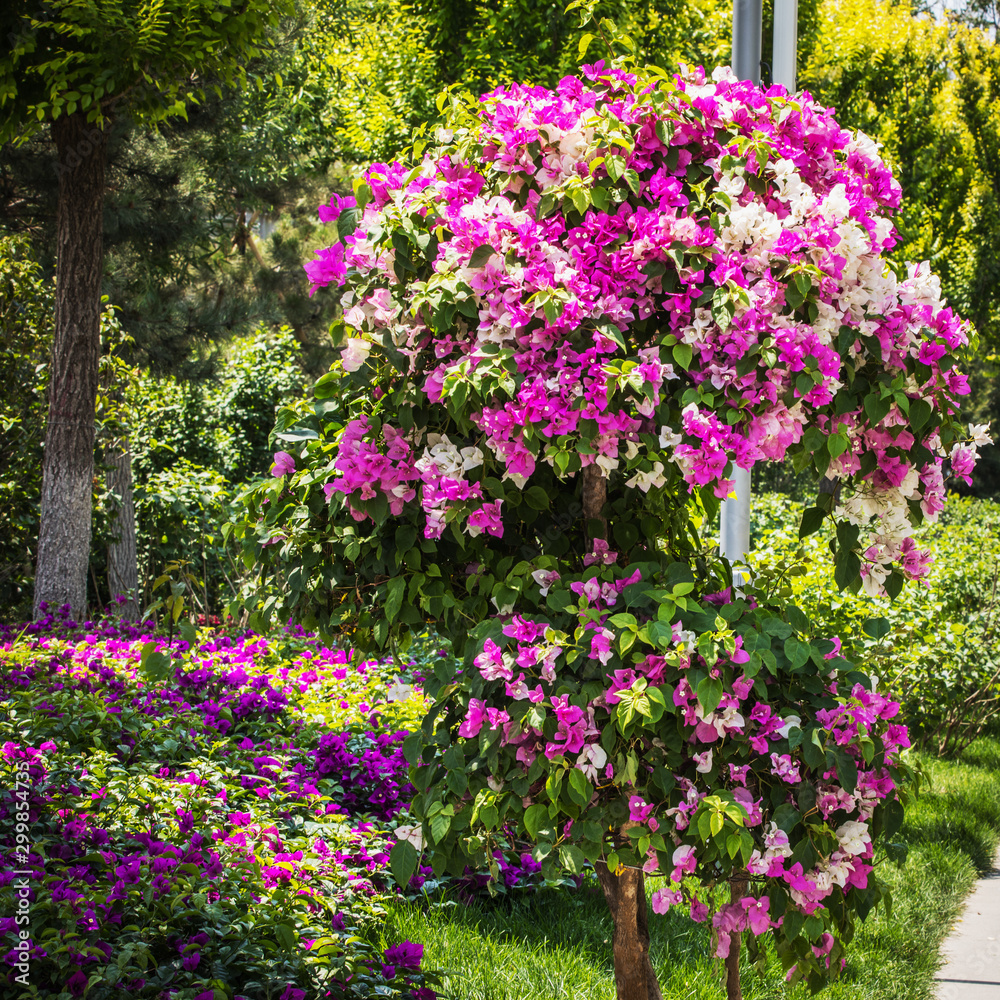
[
  {"x": 831, "y": 486},
  {"x": 737, "y": 890},
  {"x": 68, "y": 464},
  {"x": 635, "y": 978},
  {"x": 123, "y": 569},
  {"x": 594, "y": 495}
]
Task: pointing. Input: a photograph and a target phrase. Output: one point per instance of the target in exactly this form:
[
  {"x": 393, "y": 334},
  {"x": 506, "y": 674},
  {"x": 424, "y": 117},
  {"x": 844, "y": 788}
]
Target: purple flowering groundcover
[{"x": 199, "y": 819}]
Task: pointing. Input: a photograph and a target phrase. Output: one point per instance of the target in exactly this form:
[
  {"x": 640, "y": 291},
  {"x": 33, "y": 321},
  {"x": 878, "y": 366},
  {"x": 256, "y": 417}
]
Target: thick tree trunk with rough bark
[
  {"x": 635, "y": 978},
  {"x": 68, "y": 465},
  {"x": 123, "y": 569}
]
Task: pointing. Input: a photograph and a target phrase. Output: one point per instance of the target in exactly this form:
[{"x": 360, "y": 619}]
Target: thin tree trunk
[
  {"x": 594, "y": 495},
  {"x": 123, "y": 569},
  {"x": 68, "y": 464},
  {"x": 831, "y": 486},
  {"x": 635, "y": 978},
  {"x": 737, "y": 890}
]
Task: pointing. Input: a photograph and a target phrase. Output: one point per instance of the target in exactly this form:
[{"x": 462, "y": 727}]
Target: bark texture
[
  {"x": 737, "y": 890},
  {"x": 595, "y": 494},
  {"x": 123, "y": 568},
  {"x": 635, "y": 978},
  {"x": 68, "y": 465}
]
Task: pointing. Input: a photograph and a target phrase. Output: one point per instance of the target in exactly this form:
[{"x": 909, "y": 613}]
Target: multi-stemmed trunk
[{"x": 68, "y": 464}]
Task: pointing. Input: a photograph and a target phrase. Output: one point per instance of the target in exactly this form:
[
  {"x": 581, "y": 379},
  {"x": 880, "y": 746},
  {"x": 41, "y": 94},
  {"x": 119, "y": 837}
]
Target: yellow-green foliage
[{"x": 938, "y": 654}]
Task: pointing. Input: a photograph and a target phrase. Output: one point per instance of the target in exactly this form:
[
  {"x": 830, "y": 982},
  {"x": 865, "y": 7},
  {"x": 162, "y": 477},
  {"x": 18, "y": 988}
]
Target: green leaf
[
  {"x": 397, "y": 588},
  {"x": 893, "y": 817},
  {"x": 847, "y": 772},
  {"x": 155, "y": 666},
  {"x": 920, "y": 413},
  {"x": 580, "y": 199},
  {"x": 286, "y": 935},
  {"x": 786, "y": 817},
  {"x": 793, "y": 297},
  {"x": 403, "y": 860},
  {"x": 792, "y": 924},
  {"x": 481, "y": 255},
  {"x": 812, "y": 521},
  {"x": 848, "y": 568},
  {"x": 897, "y": 852},
  {"x": 682, "y": 355},
  {"x": 876, "y": 407},
  {"x": 709, "y": 694},
  {"x": 537, "y": 498},
  {"x": 876, "y": 628},
  {"x": 847, "y": 535},
  {"x": 893, "y": 584},
  {"x": 632, "y": 180},
  {"x": 572, "y": 858},
  {"x": 580, "y": 789},
  {"x": 347, "y": 222},
  {"x": 411, "y": 747},
  {"x": 836, "y": 445},
  {"x": 440, "y": 824},
  {"x": 535, "y": 818},
  {"x": 622, "y": 619}
]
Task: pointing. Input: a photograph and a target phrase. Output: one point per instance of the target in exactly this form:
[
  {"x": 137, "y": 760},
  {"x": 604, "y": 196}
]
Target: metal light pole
[
  {"x": 746, "y": 65},
  {"x": 786, "y": 40},
  {"x": 746, "y": 39}
]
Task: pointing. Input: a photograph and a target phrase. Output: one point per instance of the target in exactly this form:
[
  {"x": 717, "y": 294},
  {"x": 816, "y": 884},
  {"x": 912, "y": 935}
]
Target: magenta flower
[
  {"x": 407, "y": 954},
  {"x": 475, "y": 716},
  {"x": 284, "y": 464}
]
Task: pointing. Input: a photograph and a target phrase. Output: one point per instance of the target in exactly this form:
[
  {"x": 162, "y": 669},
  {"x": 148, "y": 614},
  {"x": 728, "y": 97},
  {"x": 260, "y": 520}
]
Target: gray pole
[
  {"x": 746, "y": 39},
  {"x": 786, "y": 41},
  {"x": 735, "y": 540}
]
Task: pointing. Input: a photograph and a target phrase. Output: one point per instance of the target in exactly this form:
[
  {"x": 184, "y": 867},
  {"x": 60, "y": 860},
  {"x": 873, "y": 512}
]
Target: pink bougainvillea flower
[{"x": 284, "y": 464}]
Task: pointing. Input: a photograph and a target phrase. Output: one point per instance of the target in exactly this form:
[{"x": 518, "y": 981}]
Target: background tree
[{"x": 73, "y": 66}]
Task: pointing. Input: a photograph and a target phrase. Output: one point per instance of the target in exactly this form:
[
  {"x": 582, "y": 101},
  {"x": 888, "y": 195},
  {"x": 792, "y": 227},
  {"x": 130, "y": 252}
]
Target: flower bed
[{"x": 206, "y": 817}]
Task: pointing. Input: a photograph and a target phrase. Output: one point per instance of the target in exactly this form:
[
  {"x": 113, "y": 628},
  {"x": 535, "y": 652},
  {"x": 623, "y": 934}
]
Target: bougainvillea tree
[{"x": 566, "y": 323}]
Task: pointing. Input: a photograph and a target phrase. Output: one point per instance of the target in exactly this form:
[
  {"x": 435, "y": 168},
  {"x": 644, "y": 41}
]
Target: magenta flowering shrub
[
  {"x": 196, "y": 828},
  {"x": 567, "y": 323}
]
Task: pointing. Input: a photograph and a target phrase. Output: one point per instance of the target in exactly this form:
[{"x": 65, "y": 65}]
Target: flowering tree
[{"x": 566, "y": 323}]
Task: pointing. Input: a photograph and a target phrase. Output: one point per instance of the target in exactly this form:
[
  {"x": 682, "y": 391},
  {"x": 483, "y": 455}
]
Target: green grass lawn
[{"x": 556, "y": 945}]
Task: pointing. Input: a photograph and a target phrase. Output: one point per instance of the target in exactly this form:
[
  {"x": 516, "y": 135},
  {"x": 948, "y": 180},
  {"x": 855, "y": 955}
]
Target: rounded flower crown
[{"x": 659, "y": 281}]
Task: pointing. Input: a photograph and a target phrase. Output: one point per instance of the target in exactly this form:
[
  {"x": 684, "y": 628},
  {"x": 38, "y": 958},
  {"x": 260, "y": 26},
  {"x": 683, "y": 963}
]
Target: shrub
[
  {"x": 193, "y": 444},
  {"x": 184, "y": 829},
  {"x": 936, "y": 652},
  {"x": 26, "y": 317}
]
